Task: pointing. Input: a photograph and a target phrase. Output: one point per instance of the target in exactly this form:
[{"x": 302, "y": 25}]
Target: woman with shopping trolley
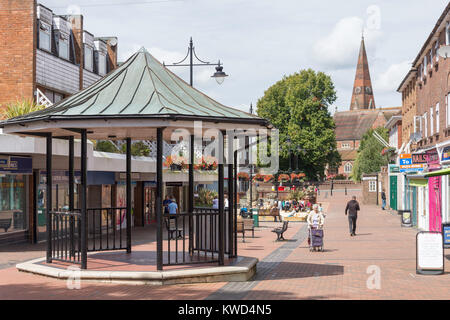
[{"x": 315, "y": 221}]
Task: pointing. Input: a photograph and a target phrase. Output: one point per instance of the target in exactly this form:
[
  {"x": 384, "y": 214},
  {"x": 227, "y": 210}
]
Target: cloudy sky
[{"x": 260, "y": 41}]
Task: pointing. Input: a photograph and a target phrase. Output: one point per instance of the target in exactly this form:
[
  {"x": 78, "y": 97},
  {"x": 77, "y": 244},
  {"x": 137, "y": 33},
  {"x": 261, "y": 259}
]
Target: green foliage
[
  {"x": 296, "y": 194},
  {"x": 369, "y": 159},
  {"x": 20, "y": 108},
  {"x": 298, "y": 105},
  {"x": 205, "y": 197},
  {"x": 138, "y": 149},
  {"x": 106, "y": 146}
]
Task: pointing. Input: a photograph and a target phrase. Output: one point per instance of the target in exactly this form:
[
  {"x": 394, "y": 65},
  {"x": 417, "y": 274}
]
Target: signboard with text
[
  {"x": 429, "y": 253},
  {"x": 446, "y": 234},
  {"x": 407, "y": 163},
  {"x": 446, "y": 154}
]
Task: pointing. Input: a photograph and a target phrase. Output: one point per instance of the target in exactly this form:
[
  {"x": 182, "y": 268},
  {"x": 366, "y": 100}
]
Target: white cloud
[
  {"x": 389, "y": 80},
  {"x": 339, "y": 49}
]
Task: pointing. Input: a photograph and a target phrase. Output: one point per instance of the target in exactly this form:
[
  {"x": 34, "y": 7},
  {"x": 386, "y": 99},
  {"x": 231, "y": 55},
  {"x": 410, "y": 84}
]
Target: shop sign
[
  {"x": 446, "y": 234},
  {"x": 429, "y": 253},
  {"x": 394, "y": 168},
  {"x": 432, "y": 156},
  {"x": 406, "y": 219},
  {"x": 407, "y": 164},
  {"x": 18, "y": 165},
  {"x": 446, "y": 154},
  {"x": 419, "y": 158},
  {"x": 4, "y": 161},
  {"x": 174, "y": 184}
]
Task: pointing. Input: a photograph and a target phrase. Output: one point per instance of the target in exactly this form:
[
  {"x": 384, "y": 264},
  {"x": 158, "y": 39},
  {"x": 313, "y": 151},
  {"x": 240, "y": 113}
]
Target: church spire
[{"x": 362, "y": 96}]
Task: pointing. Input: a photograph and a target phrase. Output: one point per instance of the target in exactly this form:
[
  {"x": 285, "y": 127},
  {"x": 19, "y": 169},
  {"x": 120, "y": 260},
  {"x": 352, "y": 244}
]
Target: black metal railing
[
  {"x": 106, "y": 229},
  {"x": 66, "y": 236},
  {"x": 202, "y": 247}
]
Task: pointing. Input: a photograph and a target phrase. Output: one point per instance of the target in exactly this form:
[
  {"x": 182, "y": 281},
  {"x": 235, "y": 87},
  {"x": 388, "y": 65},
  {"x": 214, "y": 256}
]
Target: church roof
[
  {"x": 352, "y": 125},
  {"x": 362, "y": 95}
]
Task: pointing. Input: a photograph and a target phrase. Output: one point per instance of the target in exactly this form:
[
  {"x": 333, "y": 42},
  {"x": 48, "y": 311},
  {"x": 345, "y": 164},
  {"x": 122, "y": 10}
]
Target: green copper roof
[{"x": 141, "y": 86}]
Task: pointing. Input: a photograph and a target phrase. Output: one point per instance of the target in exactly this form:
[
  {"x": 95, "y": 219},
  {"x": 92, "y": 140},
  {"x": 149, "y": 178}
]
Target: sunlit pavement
[{"x": 379, "y": 263}]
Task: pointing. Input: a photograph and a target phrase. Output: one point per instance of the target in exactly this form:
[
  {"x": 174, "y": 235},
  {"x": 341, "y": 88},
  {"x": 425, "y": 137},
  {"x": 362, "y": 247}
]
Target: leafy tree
[
  {"x": 138, "y": 149},
  {"x": 20, "y": 108},
  {"x": 106, "y": 146},
  {"x": 370, "y": 159},
  {"x": 297, "y": 106}
]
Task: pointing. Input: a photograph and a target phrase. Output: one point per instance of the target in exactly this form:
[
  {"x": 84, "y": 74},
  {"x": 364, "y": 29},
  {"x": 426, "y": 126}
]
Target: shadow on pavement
[{"x": 295, "y": 270}]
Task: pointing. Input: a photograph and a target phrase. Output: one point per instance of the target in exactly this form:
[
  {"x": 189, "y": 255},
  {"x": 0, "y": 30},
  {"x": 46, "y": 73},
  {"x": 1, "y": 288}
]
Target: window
[
  {"x": 447, "y": 34},
  {"x": 448, "y": 109},
  {"x": 425, "y": 126},
  {"x": 101, "y": 64},
  {"x": 64, "y": 46},
  {"x": 372, "y": 186},
  {"x": 346, "y": 146},
  {"x": 431, "y": 122},
  {"x": 13, "y": 209},
  {"x": 348, "y": 167},
  {"x": 45, "y": 31},
  {"x": 437, "y": 117},
  {"x": 436, "y": 47},
  {"x": 88, "y": 58}
]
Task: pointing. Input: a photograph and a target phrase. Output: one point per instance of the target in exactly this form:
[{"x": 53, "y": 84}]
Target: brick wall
[
  {"x": 17, "y": 47},
  {"x": 409, "y": 109},
  {"x": 431, "y": 91}
]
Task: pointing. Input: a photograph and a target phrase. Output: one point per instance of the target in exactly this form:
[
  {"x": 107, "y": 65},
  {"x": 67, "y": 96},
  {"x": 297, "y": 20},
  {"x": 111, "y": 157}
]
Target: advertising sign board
[{"x": 429, "y": 253}]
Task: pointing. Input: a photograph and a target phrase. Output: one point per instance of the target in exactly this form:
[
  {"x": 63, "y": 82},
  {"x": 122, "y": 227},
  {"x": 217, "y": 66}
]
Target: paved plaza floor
[{"x": 379, "y": 263}]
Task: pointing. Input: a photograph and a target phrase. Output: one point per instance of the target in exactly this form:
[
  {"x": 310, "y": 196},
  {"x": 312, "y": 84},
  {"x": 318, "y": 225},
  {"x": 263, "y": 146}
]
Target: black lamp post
[
  {"x": 288, "y": 142},
  {"x": 219, "y": 75}
]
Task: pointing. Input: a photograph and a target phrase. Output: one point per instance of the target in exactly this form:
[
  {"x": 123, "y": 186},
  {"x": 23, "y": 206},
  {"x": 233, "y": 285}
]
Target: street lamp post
[{"x": 219, "y": 75}]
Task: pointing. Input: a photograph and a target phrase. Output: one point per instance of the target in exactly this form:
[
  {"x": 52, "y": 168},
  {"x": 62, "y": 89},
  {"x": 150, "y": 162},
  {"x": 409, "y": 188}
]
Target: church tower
[{"x": 362, "y": 96}]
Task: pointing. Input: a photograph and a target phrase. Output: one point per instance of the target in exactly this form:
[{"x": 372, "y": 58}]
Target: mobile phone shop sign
[
  {"x": 430, "y": 253},
  {"x": 446, "y": 234}
]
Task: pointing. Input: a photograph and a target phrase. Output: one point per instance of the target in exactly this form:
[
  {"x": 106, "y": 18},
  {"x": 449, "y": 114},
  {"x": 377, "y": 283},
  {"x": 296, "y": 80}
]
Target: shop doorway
[{"x": 393, "y": 192}]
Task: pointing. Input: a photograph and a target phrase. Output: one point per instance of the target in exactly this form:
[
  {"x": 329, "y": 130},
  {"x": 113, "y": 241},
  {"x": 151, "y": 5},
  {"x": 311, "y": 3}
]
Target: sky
[{"x": 260, "y": 41}]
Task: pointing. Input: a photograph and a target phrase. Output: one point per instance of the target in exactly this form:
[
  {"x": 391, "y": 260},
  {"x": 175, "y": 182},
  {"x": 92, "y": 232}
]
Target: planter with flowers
[{"x": 243, "y": 176}]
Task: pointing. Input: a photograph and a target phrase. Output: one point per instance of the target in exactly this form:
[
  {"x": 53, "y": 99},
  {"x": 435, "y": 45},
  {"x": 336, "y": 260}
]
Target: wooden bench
[
  {"x": 273, "y": 212},
  {"x": 280, "y": 230},
  {"x": 172, "y": 228},
  {"x": 5, "y": 224},
  {"x": 249, "y": 226},
  {"x": 240, "y": 229}
]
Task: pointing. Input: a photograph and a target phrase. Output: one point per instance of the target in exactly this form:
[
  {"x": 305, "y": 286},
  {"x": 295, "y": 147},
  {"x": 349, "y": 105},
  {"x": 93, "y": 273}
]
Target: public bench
[
  {"x": 240, "y": 229},
  {"x": 281, "y": 230},
  {"x": 5, "y": 224},
  {"x": 249, "y": 226},
  {"x": 172, "y": 228},
  {"x": 273, "y": 212}
]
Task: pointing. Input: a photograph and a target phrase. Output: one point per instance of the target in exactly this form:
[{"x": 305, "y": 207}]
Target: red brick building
[
  {"x": 46, "y": 56},
  {"x": 353, "y": 124}
]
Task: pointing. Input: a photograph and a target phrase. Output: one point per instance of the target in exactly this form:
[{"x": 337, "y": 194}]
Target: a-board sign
[
  {"x": 429, "y": 253},
  {"x": 446, "y": 234}
]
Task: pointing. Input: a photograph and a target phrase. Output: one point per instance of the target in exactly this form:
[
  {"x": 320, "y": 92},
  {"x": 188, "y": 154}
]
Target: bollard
[{"x": 345, "y": 190}]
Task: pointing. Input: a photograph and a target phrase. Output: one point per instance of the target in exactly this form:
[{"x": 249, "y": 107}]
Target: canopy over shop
[{"x": 140, "y": 100}]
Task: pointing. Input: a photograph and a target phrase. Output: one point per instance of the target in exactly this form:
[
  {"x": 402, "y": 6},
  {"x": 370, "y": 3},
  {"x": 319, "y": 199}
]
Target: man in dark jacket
[
  {"x": 352, "y": 210},
  {"x": 383, "y": 200}
]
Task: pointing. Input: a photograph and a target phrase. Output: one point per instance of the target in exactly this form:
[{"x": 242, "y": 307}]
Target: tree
[
  {"x": 370, "y": 158},
  {"x": 138, "y": 149},
  {"x": 106, "y": 146},
  {"x": 20, "y": 108},
  {"x": 297, "y": 106}
]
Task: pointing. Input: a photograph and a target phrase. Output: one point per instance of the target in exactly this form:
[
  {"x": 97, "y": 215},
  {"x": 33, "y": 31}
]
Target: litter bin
[
  {"x": 255, "y": 217},
  {"x": 405, "y": 218}
]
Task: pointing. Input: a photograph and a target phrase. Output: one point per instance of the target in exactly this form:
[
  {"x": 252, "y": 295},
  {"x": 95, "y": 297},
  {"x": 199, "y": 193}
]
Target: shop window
[
  {"x": 45, "y": 31},
  {"x": 12, "y": 203}
]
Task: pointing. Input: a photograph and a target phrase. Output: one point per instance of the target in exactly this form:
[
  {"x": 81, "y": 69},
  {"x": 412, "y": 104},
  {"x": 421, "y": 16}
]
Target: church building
[{"x": 363, "y": 115}]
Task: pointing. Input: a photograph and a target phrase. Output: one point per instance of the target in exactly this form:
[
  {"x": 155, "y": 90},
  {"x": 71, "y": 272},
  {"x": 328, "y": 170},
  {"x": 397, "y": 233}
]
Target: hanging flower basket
[
  {"x": 268, "y": 178},
  {"x": 243, "y": 176},
  {"x": 208, "y": 163},
  {"x": 175, "y": 163},
  {"x": 284, "y": 177},
  {"x": 258, "y": 177}
]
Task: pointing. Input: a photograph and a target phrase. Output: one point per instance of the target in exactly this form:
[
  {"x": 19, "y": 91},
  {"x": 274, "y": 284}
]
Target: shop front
[
  {"x": 15, "y": 180},
  {"x": 434, "y": 190}
]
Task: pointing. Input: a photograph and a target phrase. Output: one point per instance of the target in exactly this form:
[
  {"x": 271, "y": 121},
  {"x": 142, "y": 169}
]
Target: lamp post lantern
[{"x": 219, "y": 75}]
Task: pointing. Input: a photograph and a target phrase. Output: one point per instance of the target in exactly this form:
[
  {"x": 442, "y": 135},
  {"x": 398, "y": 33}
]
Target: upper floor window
[
  {"x": 431, "y": 121},
  {"x": 425, "y": 126},
  {"x": 447, "y": 34},
  {"x": 88, "y": 58},
  {"x": 345, "y": 146},
  {"x": 348, "y": 167},
  {"x": 448, "y": 109},
  {"x": 45, "y": 32},
  {"x": 64, "y": 46},
  {"x": 437, "y": 117},
  {"x": 102, "y": 64}
]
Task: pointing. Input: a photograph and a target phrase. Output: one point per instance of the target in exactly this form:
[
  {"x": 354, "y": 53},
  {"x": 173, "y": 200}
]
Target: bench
[
  {"x": 280, "y": 230},
  {"x": 172, "y": 228},
  {"x": 240, "y": 229},
  {"x": 249, "y": 225},
  {"x": 5, "y": 224},
  {"x": 273, "y": 212}
]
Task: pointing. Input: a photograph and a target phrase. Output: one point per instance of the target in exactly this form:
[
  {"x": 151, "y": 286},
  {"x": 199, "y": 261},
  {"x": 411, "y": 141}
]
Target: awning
[
  {"x": 418, "y": 182},
  {"x": 441, "y": 172}
]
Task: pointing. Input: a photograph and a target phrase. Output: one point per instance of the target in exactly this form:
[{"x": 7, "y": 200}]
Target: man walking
[
  {"x": 383, "y": 200},
  {"x": 352, "y": 209}
]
